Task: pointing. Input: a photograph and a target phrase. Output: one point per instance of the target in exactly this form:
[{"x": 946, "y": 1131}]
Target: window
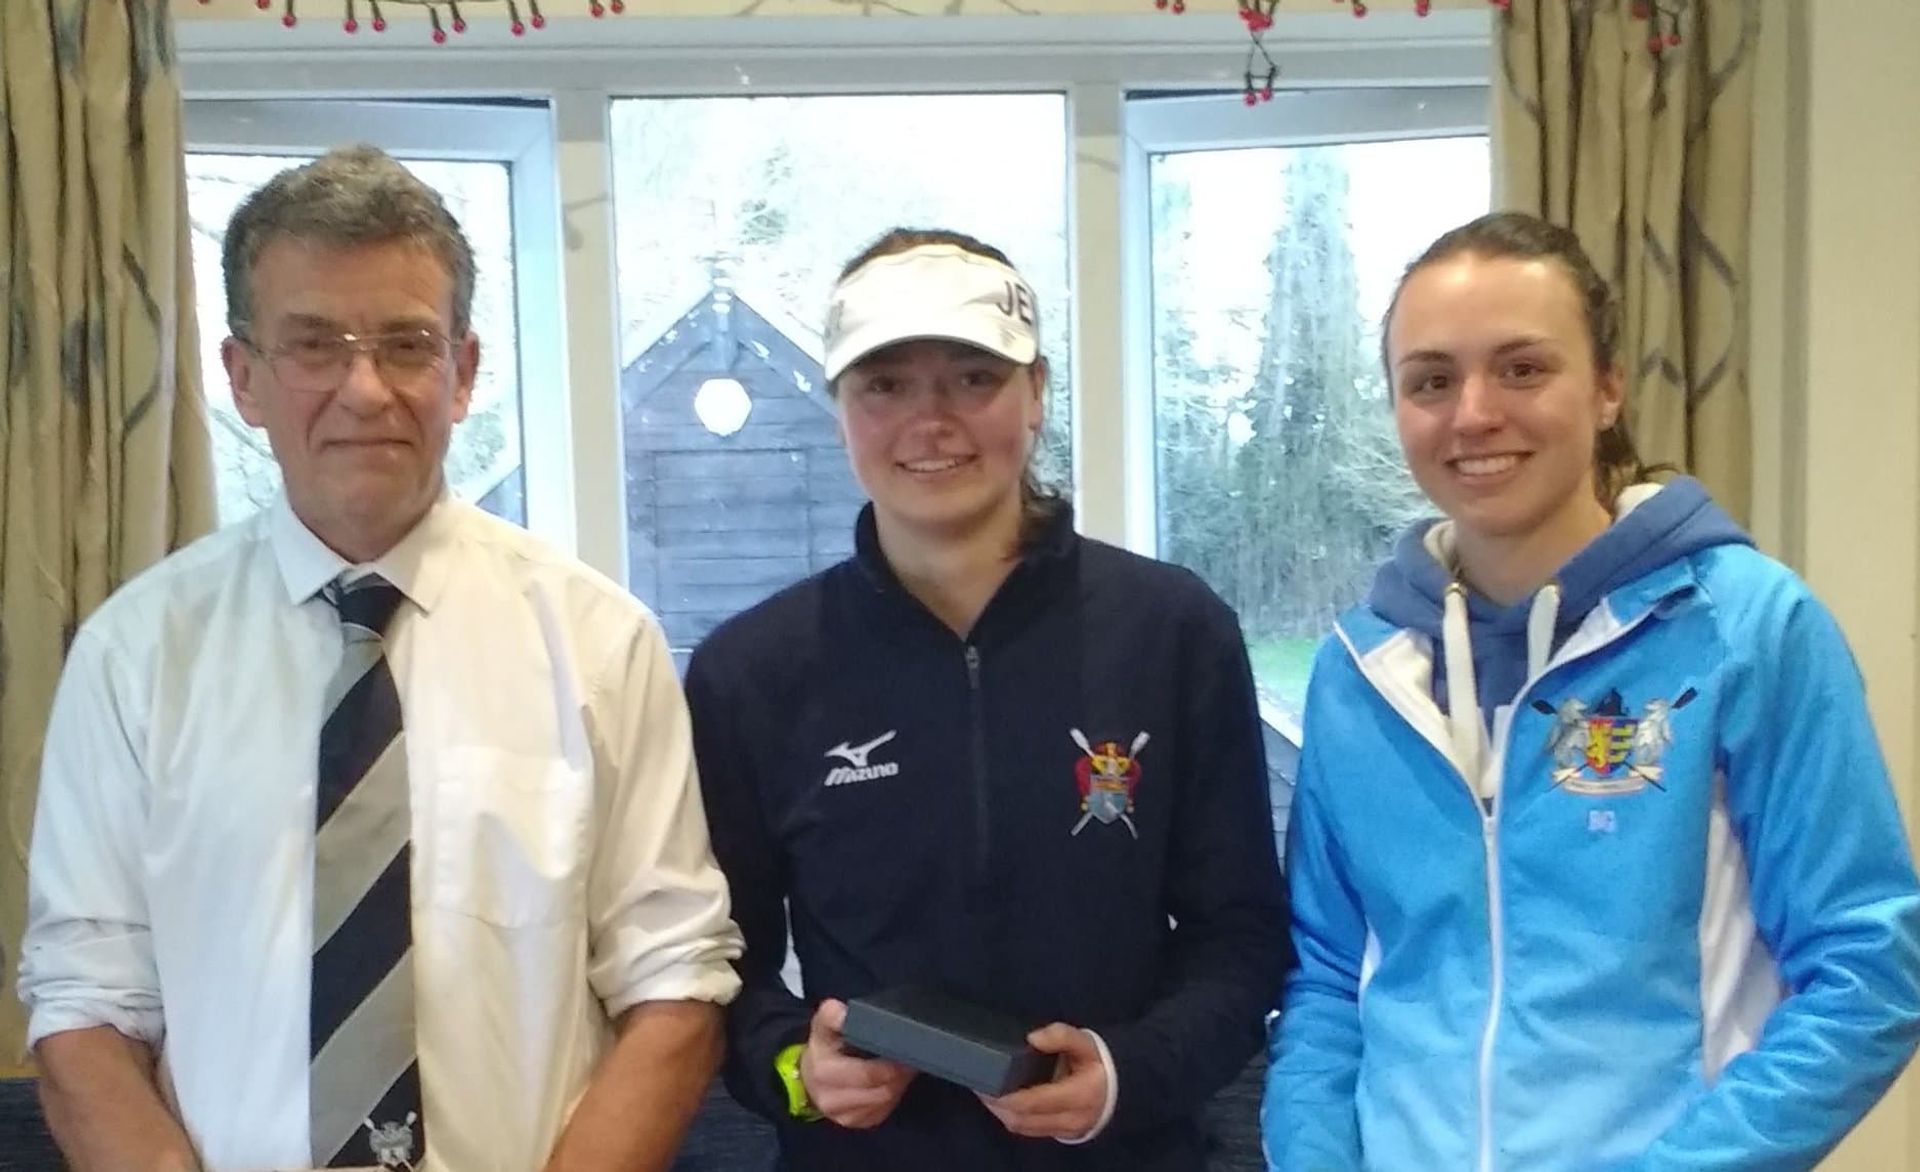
[
  {"x": 236, "y": 147},
  {"x": 732, "y": 218},
  {"x": 1272, "y": 257},
  {"x": 652, "y": 433},
  {"x": 1047, "y": 139}
]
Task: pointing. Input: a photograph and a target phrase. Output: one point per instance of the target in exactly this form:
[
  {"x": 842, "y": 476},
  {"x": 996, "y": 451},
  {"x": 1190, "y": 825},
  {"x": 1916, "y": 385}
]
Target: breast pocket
[{"x": 510, "y": 837}]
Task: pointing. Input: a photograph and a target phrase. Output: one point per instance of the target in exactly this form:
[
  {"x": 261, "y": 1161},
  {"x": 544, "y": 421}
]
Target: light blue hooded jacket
[{"x": 1649, "y": 906}]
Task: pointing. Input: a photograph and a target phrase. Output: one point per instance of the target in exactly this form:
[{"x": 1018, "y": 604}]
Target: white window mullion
[
  {"x": 1100, "y": 422},
  {"x": 592, "y": 348},
  {"x": 545, "y": 417},
  {"x": 1135, "y": 247}
]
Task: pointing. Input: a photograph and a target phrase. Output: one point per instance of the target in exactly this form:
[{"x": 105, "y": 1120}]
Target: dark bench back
[{"x": 25, "y": 1145}]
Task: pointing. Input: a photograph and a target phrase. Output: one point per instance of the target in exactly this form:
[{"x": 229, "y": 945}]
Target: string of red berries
[
  {"x": 456, "y": 19},
  {"x": 1665, "y": 19},
  {"x": 1261, "y": 71}
]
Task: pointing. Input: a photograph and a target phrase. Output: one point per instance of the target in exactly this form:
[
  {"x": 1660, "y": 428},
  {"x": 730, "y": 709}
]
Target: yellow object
[{"x": 786, "y": 1064}]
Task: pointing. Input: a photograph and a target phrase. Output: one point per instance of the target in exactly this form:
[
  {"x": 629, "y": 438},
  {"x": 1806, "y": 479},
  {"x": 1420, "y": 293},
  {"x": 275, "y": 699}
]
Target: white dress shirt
[{"x": 561, "y": 868}]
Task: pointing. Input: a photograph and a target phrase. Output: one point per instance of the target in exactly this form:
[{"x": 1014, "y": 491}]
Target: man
[{"x": 369, "y": 833}]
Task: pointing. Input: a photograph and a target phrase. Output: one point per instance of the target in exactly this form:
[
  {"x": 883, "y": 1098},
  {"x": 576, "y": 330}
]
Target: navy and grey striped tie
[{"x": 364, "y": 1085}]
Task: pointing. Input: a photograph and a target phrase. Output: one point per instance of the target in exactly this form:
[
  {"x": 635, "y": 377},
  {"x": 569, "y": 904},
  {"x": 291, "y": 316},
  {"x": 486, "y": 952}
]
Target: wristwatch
[{"x": 786, "y": 1066}]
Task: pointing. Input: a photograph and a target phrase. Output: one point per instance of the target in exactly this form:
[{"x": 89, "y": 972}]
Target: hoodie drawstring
[
  {"x": 1463, "y": 692},
  {"x": 1541, "y": 618},
  {"x": 1463, "y": 695}
]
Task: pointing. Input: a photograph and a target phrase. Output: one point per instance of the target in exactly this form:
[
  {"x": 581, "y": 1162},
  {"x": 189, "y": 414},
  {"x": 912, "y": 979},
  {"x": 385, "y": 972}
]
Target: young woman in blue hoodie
[{"x": 1594, "y": 861}]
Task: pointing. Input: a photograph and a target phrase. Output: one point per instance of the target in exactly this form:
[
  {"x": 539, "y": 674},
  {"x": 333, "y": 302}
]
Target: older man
[{"x": 369, "y": 833}]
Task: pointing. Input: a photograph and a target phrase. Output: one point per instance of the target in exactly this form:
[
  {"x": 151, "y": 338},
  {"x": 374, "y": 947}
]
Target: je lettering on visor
[{"x": 933, "y": 291}]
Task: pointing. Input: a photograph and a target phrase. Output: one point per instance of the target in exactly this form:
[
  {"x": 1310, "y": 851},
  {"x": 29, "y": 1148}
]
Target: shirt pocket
[{"x": 510, "y": 837}]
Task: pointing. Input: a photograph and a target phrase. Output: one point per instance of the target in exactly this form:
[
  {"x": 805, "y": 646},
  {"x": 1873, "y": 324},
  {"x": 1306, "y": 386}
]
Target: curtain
[
  {"x": 104, "y": 461},
  {"x": 1647, "y": 157}
]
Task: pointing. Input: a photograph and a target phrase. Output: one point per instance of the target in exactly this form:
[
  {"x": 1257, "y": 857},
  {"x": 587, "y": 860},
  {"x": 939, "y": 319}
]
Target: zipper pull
[{"x": 973, "y": 666}]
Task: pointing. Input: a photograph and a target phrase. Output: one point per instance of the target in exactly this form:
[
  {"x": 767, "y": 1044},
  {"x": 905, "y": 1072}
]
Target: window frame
[
  {"x": 1393, "y": 75},
  {"x": 1187, "y": 123},
  {"x": 1169, "y": 124},
  {"x": 579, "y": 65},
  {"x": 521, "y": 138}
]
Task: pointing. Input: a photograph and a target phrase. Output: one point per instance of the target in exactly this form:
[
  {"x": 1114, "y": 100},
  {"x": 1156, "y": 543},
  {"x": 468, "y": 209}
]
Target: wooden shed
[{"x": 737, "y": 484}]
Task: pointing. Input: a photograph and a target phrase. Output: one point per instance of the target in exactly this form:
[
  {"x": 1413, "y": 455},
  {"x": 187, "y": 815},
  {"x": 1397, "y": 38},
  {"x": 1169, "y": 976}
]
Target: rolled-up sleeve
[
  {"x": 658, "y": 915},
  {"x": 86, "y": 959}
]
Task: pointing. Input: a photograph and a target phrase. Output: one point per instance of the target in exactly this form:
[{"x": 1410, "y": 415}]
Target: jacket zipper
[
  {"x": 1490, "y": 840},
  {"x": 1489, "y": 813},
  {"x": 979, "y": 731}
]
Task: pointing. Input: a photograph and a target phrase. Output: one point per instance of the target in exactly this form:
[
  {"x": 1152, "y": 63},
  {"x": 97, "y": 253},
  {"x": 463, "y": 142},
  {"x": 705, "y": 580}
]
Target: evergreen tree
[{"x": 1318, "y": 486}]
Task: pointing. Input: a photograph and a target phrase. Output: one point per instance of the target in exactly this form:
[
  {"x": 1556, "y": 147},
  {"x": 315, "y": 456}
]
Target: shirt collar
[{"x": 417, "y": 564}]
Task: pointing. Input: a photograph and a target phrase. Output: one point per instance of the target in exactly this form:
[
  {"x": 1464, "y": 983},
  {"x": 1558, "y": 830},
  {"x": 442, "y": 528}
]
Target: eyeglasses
[{"x": 320, "y": 362}]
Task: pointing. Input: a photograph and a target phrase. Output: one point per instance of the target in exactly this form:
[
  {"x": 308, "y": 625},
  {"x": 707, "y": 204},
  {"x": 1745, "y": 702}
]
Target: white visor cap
[{"x": 933, "y": 291}]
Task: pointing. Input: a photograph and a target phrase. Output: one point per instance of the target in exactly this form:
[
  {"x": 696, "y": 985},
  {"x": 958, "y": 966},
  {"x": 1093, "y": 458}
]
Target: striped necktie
[{"x": 364, "y": 1088}]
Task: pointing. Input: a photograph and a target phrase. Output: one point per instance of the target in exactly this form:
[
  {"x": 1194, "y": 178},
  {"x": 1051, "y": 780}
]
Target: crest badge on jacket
[
  {"x": 1606, "y": 749},
  {"x": 1106, "y": 776}
]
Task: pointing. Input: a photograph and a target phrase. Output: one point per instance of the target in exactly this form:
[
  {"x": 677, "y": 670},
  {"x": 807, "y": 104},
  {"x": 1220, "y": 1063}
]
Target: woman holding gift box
[{"x": 990, "y": 756}]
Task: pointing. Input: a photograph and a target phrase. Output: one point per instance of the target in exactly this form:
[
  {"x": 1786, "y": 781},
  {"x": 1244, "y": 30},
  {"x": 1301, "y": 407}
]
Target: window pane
[
  {"x": 483, "y": 460},
  {"x": 733, "y": 217},
  {"x": 1279, "y": 479}
]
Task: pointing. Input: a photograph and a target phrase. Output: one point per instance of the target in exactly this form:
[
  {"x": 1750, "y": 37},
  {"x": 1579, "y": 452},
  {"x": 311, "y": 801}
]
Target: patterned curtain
[
  {"x": 104, "y": 463},
  {"x": 1647, "y": 156}
]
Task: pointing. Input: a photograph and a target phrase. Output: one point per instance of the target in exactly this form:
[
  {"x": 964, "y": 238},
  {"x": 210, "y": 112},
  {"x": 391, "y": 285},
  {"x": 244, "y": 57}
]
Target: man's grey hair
[{"x": 349, "y": 197}]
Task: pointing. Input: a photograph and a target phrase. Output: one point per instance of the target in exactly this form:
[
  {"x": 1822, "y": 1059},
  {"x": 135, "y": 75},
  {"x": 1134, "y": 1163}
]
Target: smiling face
[
  {"x": 1498, "y": 398},
  {"x": 362, "y": 458},
  {"x": 939, "y": 435}
]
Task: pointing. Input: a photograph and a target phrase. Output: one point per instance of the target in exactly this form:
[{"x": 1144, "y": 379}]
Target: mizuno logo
[
  {"x": 856, "y": 767},
  {"x": 856, "y": 755}
]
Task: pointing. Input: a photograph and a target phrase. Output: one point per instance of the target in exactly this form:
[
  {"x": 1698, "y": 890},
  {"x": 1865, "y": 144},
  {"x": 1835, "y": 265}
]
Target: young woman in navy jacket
[{"x": 991, "y": 756}]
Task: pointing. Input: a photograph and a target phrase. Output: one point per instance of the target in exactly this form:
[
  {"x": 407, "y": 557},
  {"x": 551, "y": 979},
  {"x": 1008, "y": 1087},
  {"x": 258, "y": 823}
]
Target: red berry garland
[
  {"x": 1261, "y": 72},
  {"x": 456, "y": 21}
]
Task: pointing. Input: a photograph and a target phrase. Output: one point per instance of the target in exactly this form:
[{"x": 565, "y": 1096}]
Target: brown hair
[
  {"x": 1040, "y": 501},
  {"x": 1519, "y": 236},
  {"x": 348, "y": 197}
]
